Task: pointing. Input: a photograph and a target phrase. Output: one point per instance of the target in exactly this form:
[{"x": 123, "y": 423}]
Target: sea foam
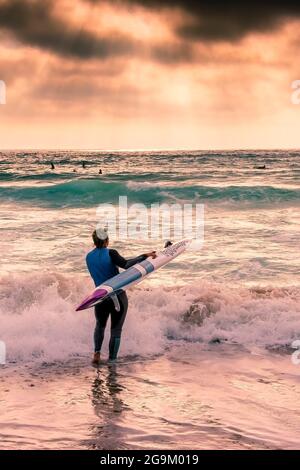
[{"x": 38, "y": 319}]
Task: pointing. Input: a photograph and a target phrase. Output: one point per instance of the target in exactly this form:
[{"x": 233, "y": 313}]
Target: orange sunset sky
[{"x": 90, "y": 74}]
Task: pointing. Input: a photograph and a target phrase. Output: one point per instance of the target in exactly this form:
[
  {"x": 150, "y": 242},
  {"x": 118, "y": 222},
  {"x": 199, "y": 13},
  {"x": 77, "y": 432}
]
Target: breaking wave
[
  {"x": 38, "y": 319},
  {"x": 89, "y": 192}
]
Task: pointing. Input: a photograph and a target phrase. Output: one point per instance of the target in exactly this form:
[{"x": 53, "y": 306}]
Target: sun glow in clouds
[
  {"x": 2, "y": 92},
  {"x": 296, "y": 93},
  {"x": 122, "y": 75}
]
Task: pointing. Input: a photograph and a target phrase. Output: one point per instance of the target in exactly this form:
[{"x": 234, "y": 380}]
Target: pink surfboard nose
[{"x": 91, "y": 299}]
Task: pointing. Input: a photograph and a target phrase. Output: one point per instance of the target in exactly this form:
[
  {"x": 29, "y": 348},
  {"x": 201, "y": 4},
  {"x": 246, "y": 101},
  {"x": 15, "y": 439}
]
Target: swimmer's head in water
[{"x": 100, "y": 237}]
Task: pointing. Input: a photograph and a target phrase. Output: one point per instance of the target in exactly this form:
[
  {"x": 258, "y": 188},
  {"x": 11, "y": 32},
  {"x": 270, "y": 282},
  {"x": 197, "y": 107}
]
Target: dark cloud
[
  {"x": 172, "y": 53},
  {"x": 230, "y": 20},
  {"x": 34, "y": 23}
]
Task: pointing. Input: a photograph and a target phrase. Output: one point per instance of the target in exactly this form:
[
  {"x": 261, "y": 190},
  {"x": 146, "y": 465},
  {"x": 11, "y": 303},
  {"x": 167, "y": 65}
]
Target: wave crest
[
  {"x": 38, "y": 318},
  {"x": 90, "y": 192}
]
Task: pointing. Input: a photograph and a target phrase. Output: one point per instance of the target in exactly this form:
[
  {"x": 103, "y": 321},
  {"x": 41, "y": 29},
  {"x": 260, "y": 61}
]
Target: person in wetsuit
[{"x": 103, "y": 263}]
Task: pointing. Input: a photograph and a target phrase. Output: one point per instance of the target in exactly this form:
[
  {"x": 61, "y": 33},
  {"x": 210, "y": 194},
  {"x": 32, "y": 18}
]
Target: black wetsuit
[{"x": 108, "y": 307}]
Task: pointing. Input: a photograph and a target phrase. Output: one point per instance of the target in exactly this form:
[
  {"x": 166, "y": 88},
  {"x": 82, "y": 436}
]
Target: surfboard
[{"x": 133, "y": 275}]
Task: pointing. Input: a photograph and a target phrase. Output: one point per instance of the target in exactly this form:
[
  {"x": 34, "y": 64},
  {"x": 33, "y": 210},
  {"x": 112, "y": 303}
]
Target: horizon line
[{"x": 226, "y": 149}]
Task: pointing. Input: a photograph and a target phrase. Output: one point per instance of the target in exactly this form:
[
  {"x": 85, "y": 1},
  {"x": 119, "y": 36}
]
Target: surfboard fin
[{"x": 116, "y": 302}]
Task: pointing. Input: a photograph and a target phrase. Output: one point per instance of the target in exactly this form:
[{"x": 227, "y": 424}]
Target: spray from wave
[{"x": 38, "y": 319}]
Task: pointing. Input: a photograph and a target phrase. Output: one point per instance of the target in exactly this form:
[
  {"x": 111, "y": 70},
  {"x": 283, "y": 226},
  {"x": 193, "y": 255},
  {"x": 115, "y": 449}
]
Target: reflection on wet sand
[{"x": 108, "y": 406}]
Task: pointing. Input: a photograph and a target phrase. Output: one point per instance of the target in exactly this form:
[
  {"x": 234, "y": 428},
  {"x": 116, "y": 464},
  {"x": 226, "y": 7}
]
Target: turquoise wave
[
  {"x": 90, "y": 192},
  {"x": 35, "y": 176},
  {"x": 125, "y": 176}
]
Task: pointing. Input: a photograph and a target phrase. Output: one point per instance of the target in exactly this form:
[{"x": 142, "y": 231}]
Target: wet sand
[{"x": 219, "y": 397}]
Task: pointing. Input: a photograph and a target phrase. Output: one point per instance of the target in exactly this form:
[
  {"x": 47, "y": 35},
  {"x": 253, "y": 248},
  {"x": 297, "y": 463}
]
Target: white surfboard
[{"x": 133, "y": 275}]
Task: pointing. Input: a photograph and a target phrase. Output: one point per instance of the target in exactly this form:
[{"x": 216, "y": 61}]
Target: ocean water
[{"x": 229, "y": 309}]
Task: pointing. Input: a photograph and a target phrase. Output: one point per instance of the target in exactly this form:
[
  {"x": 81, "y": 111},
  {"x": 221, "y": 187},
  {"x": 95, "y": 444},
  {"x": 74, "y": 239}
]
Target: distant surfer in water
[
  {"x": 83, "y": 165},
  {"x": 52, "y": 166},
  {"x": 261, "y": 167},
  {"x": 103, "y": 263}
]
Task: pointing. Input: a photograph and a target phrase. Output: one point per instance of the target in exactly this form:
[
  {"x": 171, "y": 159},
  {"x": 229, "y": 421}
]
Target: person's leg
[
  {"x": 101, "y": 313},
  {"x": 117, "y": 321}
]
